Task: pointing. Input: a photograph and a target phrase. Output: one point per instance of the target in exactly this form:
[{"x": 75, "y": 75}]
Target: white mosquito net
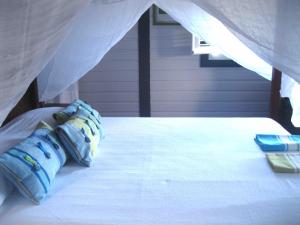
[{"x": 62, "y": 40}]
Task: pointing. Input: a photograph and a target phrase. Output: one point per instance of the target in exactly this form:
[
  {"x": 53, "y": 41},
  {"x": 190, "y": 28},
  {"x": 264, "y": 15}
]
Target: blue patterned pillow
[
  {"x": 81, "y": 136},
  {"x": 32, "y": 164},
  {"x": 62, "y": 116}
]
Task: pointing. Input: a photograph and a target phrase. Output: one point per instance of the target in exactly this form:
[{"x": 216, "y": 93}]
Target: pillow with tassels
[
  {"x": 32, "y": 164},
  {"x": 62, "y": 116},
  {"x": 81, "y": 136}
]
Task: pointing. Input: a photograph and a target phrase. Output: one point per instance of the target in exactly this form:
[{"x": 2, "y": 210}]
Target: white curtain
[
  {"x": 30, "y": 32},
  {"x": 104, "y": 23},
  {"x": 255, "y": 25},
  {"x": 207, "y": 27},
  {"x": 270, "y": 28},
  {"x": 96, "y": 30}
]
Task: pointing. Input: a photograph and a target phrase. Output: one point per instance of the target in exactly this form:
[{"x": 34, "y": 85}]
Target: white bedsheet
[{"x": 169, "y": 171}]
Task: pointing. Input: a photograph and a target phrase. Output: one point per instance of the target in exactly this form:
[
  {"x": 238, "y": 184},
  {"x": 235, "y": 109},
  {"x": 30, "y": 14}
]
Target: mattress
[{"x": 162, "y": 171}]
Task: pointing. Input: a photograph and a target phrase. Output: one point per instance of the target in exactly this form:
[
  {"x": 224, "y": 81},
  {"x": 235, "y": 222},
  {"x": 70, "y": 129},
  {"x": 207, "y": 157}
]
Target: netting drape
[
  {"x": 204, "y": 25},
  {"x": 96, "y": 30},
  {"x": 257, "y": 34},
  {"x": 41, "y": 37},
  {"x": 260, "y": 29},
  {"x": 30, "y": 32},
  {"x": 270, "y": 28}
]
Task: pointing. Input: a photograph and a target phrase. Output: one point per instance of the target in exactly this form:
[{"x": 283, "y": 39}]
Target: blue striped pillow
[
  {"x": 81, "y": 136},
  {"x": 62, "y": 116},
  {"x": 32, "y": 164}
]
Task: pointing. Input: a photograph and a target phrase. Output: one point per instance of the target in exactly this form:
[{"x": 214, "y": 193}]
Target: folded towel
[
  {"x": 278, "y": 143},
  {"x": 284, "y": 162}
]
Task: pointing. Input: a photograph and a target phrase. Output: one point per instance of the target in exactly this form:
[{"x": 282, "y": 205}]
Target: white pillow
[{"x": 17, "y": 130}]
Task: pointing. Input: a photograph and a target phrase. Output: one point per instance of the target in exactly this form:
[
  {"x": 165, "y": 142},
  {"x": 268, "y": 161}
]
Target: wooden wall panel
[
  {"x": 180, "y": 87},
  {"x": 112, "y": 86}
]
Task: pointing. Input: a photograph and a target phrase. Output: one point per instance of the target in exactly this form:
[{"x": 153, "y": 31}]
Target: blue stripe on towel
[{"x": 278, "y": 143}]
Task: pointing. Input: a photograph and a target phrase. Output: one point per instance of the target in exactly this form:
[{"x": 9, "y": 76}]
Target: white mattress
[{"x": 169, "y": 171}]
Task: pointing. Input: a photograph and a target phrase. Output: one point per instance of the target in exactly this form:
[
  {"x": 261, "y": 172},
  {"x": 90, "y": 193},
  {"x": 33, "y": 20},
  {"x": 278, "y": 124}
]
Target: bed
[{"x": 159, "y": 171}]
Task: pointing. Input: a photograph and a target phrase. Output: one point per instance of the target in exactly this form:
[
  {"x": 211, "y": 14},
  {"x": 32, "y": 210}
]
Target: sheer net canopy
[{"x": 60, "y": 41}]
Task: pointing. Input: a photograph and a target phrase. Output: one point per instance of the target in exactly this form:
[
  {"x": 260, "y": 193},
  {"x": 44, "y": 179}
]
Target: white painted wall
[{"x": 179, "y": 86}]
